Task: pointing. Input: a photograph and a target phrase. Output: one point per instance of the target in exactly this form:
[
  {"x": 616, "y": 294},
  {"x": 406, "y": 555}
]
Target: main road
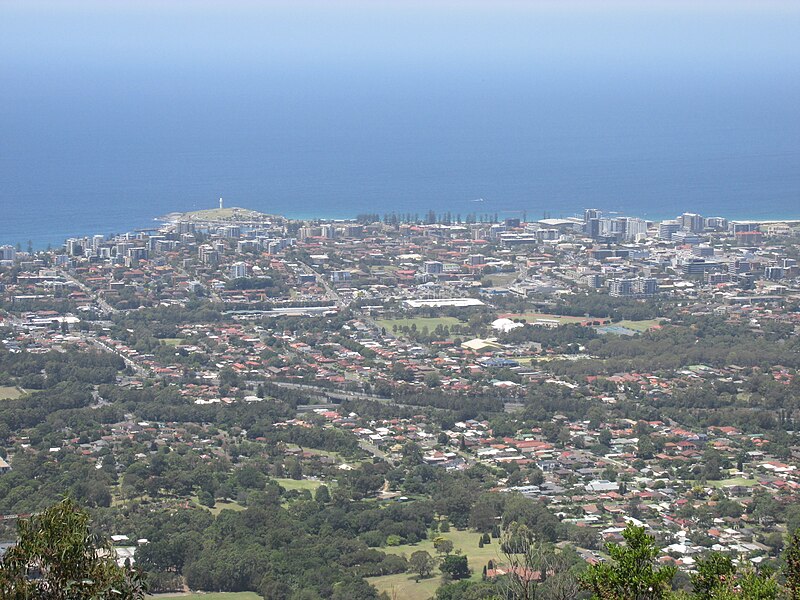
[{"x": 95, "y": 296}]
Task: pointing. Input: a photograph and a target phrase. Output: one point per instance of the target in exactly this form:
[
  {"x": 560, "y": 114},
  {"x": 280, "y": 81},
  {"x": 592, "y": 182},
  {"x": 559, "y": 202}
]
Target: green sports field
[
  {"x": 639, "y": 326},
  {"x": 430, "y": 322}
]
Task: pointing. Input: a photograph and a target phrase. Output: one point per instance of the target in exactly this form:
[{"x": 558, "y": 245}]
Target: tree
[
  {"x": 534, "y": 514},
  {"x": 206, "y": 498},
  {"x": 271, "y": 588},
  {"x": 322, "y": 495},
  {"x": 711, "y": 573},
  {"x": 712, "y": 464},
  {"x": 604, "y": 437},
  {"x": 632, "y": 573},
  {"x": 537, "y": 477},
  {"x": 747, "y": 584},
  {"x": 443, "y": 545},
  {"x": 467, "y": 590},
  {"x": 421, "y": 563},
  {"x": 295, "y": 470},
  {"x": 791, "y": 558},
  {"x": 536, "y": 569},
  {"x": 646, "y": 448},
  {"x": 412, "y": 454},
  {"x": 433, "y": 379},
  {"x": 56, "y": 558},
  {"x": 455, "y": 566},
  {"x": 485, "y": 512}
]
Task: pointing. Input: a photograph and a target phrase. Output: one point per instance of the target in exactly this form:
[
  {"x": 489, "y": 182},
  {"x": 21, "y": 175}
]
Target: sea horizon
[{"x": 114, "y": 117}]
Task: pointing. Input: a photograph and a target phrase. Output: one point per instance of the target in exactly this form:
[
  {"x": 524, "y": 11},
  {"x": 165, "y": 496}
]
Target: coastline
[{"x": 40, "y": 241}]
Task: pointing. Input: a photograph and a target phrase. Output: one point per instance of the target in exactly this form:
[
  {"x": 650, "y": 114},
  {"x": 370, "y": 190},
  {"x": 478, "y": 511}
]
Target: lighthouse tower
[{"x": 220, "y": 203}]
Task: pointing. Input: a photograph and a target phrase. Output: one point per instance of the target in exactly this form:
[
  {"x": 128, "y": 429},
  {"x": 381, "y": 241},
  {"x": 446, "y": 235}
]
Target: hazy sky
[{"x": 430, "y": 34}]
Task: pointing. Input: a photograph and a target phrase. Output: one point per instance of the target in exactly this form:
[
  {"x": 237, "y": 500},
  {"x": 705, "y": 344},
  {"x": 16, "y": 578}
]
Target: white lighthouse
[{"x": 220, "y": 203}]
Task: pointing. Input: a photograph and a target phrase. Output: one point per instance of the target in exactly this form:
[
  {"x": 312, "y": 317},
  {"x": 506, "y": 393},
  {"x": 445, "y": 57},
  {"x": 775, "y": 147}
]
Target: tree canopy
[{"x": 57, "y": 558}]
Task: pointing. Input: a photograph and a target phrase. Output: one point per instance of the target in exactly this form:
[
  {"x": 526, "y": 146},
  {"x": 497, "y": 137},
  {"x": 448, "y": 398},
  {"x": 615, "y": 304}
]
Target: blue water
[{"x": 109, "y": 119}]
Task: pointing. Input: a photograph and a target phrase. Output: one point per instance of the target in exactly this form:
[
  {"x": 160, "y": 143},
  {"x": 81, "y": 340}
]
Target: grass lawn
[
  {"x": 221, "y": 505},
  {"x": 733, "y": 481},
  {"x": 639, "y": 326},
  {"x": 404, "y": 585},
  {"x": 299, "y": 484},
  {"x": 420, "y": 322},
  {"x": 210, "y": 596},
  {"x": 466, "y": 541},
  {"x": 10, "y": 392},
  {"x": 525, "y": 360},
  {"x": 172, "y": 341},
  {"x": 562, "y": 319}
]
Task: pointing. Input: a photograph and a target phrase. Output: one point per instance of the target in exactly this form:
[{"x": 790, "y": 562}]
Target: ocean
[{"x": 108, "y": 122}]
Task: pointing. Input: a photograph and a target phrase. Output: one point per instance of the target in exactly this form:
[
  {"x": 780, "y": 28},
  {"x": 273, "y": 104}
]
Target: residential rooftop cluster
[{"x": 611, "y": 369}]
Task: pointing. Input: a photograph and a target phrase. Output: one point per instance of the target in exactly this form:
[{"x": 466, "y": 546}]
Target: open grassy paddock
[
  {"x": 220, "y": 505},
  {"x": 287, "y": 484},
  {"x": 404, "y": 585},
  {"x": 10, "y": 392}
]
